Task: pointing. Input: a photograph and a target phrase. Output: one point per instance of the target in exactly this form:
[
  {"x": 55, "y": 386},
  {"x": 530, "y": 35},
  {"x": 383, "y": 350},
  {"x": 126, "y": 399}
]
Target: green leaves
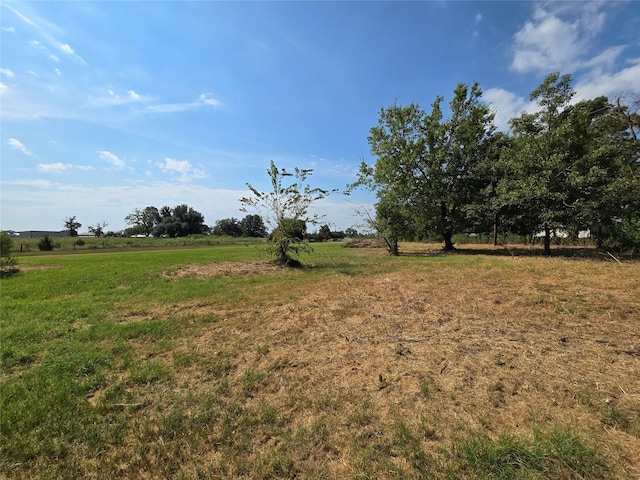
[
  {"x": 427, "y": 166},
  {"x": 285, "y": 208}
]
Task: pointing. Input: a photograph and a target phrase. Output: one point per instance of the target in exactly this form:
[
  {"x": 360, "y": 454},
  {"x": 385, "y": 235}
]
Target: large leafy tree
[
  {"x": 604, "y": 180},
  {"x": 570, "y": 164},
  {"x": 539, "y": 161},
  {"x": 285, "y": 208},
  {"x": 427, "y": 174}
]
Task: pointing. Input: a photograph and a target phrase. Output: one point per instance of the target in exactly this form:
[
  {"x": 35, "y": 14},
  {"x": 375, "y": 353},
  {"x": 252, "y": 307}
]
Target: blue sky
[{"x": 111, "y": 106}]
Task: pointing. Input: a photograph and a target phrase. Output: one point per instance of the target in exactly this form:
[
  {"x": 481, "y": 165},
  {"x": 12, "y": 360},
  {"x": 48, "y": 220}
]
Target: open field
[{"x": 211, "y": 363}]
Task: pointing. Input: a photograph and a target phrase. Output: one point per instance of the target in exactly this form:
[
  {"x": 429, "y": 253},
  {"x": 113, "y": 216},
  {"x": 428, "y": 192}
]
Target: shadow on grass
[
  {"x": 9, "y": 271},
  {"x": 582, "y": 253}
]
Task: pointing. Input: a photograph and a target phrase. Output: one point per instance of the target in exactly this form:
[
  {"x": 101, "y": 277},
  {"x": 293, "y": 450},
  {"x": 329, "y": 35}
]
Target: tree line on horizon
[{"x": 574, "y": 166}]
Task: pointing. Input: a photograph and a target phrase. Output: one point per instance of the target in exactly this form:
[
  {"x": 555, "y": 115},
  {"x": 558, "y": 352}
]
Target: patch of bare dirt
[{"x": 224, "y": 269}]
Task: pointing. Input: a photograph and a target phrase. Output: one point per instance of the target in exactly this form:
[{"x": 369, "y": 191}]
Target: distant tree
[
  {"x": 351, "y": 232},
  {"x": 143, "y": 221},
  {"x": 71, "y": 226},
  {"x": 179, "y": 222},
  {"x": 6, "y": 246},
  {"x": 227, "y": 226},
  {"x": 98, "y": 230},
  {"x": 324, "y": 233},
  {"x": 285, "y": 208},
  {"x": 253, "y": 226}
]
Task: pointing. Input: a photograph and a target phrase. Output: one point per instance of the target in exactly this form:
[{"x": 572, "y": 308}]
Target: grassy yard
[{"x": 209, "y": 362}]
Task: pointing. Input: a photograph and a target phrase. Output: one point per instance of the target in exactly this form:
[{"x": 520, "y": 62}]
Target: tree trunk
[
  {"x": 547, "y": 240},
  {"x": 599, "y": 236},
  {"x": 392, "y": 245},
  {"x": 447, "y": 232},
  {"x": 448, "y": 244},
  {"x": 495, "y": 229}
]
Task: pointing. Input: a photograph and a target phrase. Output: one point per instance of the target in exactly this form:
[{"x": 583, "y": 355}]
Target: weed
[
  {"x": 428, "y": 387},
  {"x": 149, "y": 372},
  {"x": 251, "y": 380}
]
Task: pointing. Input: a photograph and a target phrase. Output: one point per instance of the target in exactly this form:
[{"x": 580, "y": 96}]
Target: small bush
[
  {"x": 45, "y": 244},
  {"x": 6, "y": 245}
]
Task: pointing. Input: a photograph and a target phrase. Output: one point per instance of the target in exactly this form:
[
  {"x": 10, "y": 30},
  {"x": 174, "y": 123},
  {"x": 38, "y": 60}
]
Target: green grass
[
  {"x": 557, "y": 453},
  {"x": 91, "y": 342}
]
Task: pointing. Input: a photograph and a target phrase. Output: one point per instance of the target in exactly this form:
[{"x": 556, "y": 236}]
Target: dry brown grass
[{"x": 482, "y": 343}]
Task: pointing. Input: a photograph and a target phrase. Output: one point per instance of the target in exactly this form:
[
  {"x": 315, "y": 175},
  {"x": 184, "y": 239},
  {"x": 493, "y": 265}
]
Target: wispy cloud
[
  {"x": 3, "y": 88},
  {"x": 610, "y": 84},
  {"x": 6, "y": 72},
  {"x": 9, "y": 29},
  {"x": 18, "y": 145},
  {"x": 66, "y": 48},
  {"x": 113, "y": 159},
  {"x": 113, "y": 99},
  {"x": 45, "y": 50},
  {"x": 183, "y": 168},
  {"x": 46, "y": 30},
  {"x": 54, "y": 167},
  {"x": 204, "y": 100}
]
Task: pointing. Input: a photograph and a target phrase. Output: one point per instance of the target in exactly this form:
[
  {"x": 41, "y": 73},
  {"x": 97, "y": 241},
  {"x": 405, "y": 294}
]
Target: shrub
[
  {"x": 6, "y": 245},
  {"x": 45, "y": 244}
]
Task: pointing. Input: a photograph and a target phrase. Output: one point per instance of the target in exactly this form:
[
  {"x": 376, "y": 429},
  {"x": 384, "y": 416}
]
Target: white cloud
[
  {"x": 506, "y": 106},
  {"x": 45, "y": 50},
  {"x": 3, "y": 88},
  {"x": 54, "y": 167},
  {"x": 204, "y": 100},
  {"x": 181, "y": 167},
  {"x": 547, "y": 43},
  {"x": 606, "y": 59},
  {"x": 18, "y": 145},
  {"x": 114, "y": 99},
  {"x": 66, "y": 49},
  {"x": 47, "y": 29},
  {"x": 610, "y": 84},
  {"x": 58, "y": 72},
  {"x": 86, "y": 168},
  {"x": 9, "y": 29},
  {"x": 479, "y": 17},
  {"x": 113, "y": 159},
  {"x": 6, "y": 72}
]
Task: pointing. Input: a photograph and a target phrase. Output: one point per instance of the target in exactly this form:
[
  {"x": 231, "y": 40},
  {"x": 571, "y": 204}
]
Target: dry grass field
[{"x": 429, "y": 366}]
